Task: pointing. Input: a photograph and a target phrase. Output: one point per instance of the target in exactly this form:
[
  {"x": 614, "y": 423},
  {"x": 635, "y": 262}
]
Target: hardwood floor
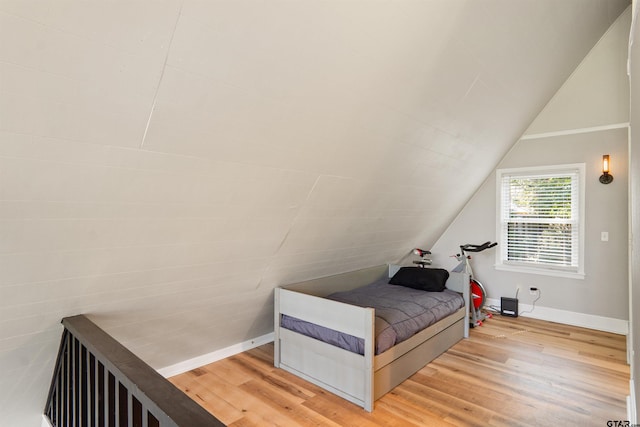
[{"x": 510, "y": 372}]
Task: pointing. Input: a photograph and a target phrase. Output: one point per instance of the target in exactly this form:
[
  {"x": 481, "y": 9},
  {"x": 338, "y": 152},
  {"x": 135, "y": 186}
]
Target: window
[{"x": 541, "y": 220}]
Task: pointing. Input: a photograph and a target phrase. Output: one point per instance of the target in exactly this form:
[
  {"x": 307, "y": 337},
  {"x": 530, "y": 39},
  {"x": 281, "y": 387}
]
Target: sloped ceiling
[{"x": 164, "y": 164}]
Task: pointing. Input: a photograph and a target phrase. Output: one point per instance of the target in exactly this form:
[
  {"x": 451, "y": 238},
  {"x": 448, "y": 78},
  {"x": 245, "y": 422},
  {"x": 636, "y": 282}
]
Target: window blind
[{"x": 540, "y": 219}]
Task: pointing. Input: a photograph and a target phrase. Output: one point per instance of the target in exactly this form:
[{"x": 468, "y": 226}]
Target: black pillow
[{"x": 426, "y": 279}]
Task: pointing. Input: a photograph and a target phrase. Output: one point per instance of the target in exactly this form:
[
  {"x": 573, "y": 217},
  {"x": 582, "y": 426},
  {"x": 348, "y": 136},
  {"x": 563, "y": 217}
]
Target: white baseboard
[
  {"x": 631, "y": 404},
  {"x": 205, "y": 359},
  {"x": 600, "y": 323}
]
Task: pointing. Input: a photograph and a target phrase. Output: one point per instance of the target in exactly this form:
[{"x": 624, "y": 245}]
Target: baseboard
[
  {"x": 205, "y": 359},
  {"x": 600, "y": 323},
  {"x": 631, "y": 404}
]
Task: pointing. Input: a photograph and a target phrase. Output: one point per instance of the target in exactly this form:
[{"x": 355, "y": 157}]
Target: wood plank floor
[{"x": 510, "y": 372}]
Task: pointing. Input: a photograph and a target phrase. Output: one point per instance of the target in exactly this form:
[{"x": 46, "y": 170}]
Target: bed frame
[{"x": 360, "y": 379}]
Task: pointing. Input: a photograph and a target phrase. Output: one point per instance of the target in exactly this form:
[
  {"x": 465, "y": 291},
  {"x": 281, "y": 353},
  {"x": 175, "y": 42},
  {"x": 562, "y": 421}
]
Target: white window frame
[{"x": 523, "y": 267}]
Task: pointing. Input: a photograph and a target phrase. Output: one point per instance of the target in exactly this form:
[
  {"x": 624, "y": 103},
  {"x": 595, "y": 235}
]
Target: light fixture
[{"x": 606, "y": 177}]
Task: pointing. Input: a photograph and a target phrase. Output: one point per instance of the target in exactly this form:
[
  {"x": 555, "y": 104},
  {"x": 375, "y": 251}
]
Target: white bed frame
[{"x": 357, "y": 378}]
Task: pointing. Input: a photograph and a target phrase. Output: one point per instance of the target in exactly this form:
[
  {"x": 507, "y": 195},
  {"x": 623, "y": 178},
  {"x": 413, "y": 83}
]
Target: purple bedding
[{"x": 400, "y": 313}]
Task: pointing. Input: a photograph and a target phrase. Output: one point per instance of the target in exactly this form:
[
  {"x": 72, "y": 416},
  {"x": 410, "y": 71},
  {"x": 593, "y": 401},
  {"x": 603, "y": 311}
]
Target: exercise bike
[
  {"x": 478, "y": 293},
  {"x": 425, "y": 257}
]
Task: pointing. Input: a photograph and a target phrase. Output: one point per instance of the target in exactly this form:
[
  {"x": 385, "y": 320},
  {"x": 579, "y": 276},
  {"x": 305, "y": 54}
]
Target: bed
[{"x": 358, "y": 378}]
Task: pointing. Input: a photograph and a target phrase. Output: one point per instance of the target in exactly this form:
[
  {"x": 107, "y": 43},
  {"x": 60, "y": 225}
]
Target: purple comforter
[{"x": 400, "y": 313}]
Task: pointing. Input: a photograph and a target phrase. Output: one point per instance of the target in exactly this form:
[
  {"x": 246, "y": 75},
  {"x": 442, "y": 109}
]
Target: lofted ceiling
[{"x": 165, "y": 163}]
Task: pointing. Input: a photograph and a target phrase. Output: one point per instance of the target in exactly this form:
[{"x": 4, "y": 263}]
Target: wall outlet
[{"x": 533, "y": 291}]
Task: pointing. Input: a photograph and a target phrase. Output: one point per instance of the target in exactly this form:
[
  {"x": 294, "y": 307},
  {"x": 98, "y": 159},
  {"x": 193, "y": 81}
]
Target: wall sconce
[{"x": 606, "y": 177}]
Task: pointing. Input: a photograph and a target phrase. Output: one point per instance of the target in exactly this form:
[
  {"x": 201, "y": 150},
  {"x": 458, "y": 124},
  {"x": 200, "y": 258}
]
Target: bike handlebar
[
  {"x": 477, "y": 248},
  {"x": 421, "y": 252}
]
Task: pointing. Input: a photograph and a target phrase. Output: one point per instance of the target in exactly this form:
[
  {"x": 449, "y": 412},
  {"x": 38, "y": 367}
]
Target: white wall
[
  {"x": 165, "y": 163},
  {"x": 595, "y": 90},
  {"x": 634, "y": 300},
  {"x": 597, "y": 93}
]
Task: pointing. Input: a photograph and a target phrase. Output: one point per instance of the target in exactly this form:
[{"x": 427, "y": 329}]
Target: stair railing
[{"x": 97, "y": 382}]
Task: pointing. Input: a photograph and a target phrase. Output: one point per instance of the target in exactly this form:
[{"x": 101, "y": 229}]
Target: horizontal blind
[{"x": 540, "y": 219}]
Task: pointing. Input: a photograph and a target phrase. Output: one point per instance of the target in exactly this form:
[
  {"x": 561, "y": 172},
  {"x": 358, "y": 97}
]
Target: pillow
[{"x": 426, "y": 279}]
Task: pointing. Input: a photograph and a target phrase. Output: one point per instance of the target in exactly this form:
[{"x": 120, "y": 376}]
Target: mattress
[{"x": 400, "y": 313}]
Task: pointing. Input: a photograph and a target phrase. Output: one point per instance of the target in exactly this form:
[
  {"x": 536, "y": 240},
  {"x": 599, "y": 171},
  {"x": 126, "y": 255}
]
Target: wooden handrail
[{"x": 99, "y": 382}]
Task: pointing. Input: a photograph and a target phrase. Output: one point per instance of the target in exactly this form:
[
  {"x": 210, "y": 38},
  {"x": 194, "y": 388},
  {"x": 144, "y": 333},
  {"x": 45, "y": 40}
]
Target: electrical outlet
[{"x": 533, "y": 291}]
